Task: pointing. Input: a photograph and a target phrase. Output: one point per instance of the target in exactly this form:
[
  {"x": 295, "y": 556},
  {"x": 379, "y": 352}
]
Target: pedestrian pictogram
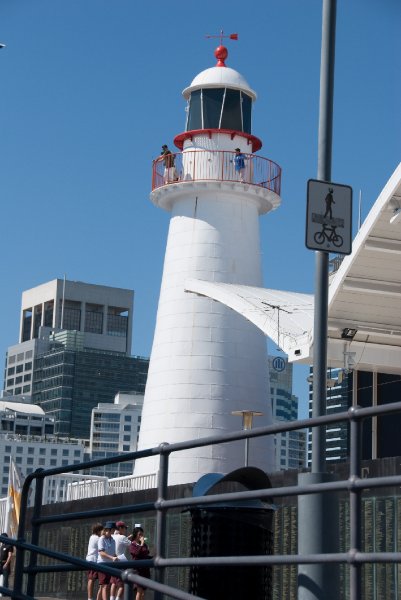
[{"x": 329, "y": 217}]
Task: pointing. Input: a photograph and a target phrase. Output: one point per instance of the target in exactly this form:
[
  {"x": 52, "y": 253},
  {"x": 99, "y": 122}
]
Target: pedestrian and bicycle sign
[{"x": 329, "y": 217}]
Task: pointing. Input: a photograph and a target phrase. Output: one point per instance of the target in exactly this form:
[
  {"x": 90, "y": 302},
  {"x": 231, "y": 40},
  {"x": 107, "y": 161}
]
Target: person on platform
[
  {"x": 6, "y": 553},
  {"x": 139, "y": 551},
  {"x": 106, "y": 553},
  {"x": 168, "y": 158},
  {"x": 122, "y": 550},
  {"x": 92, "y": 556},
  {"x": 239, "y": 164}
]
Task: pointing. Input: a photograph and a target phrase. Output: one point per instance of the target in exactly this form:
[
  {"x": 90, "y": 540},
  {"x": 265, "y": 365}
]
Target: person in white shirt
[
  {"x": 106, "y": 553},
  {"x": 92, "y": 556},
  {"x": 122, "y": 544}
]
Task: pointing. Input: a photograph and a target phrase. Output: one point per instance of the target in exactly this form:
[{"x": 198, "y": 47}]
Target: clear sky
[{"x": 90, "y": 89}]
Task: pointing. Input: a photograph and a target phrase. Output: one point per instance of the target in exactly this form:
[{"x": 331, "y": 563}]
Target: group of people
[
  {"x": 170, "y": 173},
  {"x": 109, "y": 543}
]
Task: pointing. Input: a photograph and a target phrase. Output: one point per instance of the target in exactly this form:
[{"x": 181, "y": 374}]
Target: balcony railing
[{"x": 215, "y": 165}]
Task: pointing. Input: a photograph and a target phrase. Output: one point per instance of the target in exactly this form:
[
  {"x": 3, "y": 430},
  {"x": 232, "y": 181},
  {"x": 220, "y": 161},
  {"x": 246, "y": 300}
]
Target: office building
[
  {"x": 290, "y": 446},
  {"x": 380, "y": 435},
  {"x": 74, "y": 351},
  {"x": 115, "y": 430},
  {"x": 26, "y": 437}
]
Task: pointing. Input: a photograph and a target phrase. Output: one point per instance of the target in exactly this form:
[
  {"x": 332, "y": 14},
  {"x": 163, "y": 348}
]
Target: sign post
[{"x": 329, "y": 217}]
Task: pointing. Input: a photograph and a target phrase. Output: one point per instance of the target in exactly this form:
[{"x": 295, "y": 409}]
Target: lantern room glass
[{"x": 219, "y": 108}]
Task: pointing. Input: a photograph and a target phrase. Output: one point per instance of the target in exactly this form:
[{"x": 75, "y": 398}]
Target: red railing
[{"x": 215, "y": 165}]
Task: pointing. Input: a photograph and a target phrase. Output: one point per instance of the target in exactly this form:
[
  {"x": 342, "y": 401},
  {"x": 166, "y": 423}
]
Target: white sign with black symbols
[{"x": 329, "y": 217}]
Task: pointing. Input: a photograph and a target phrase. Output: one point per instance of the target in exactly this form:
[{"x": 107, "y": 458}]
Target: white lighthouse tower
[{"x": 208, "y": 361}]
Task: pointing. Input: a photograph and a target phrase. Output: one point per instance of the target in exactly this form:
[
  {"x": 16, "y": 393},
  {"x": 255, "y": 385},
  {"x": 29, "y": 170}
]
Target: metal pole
[
  {"x": 30, "y": 590},
  {"x": 318, "y": 512},
  {"x": 161, "y": 517}
]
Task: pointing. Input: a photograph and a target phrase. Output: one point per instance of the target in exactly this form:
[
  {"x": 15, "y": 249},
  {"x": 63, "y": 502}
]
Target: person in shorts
[
  {"x": 92, "y": 556},
  {"x": 106, "y": 547}
]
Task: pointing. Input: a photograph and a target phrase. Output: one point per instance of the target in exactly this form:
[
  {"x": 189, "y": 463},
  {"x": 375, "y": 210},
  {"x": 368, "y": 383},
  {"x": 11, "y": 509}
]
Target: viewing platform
[{"x": 215, "y": 165}]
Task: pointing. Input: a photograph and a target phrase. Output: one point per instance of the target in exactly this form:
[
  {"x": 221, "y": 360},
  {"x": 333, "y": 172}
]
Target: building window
[
  {"x": 42, "y": 451},
  {"x": 20, "y": 356},
  {"x": 77, "y": 452},
  {"x": 10, "y": 382},
  {"x": 31, "y": 450},
  {"x": 8, "y": 449},
  {"x": 126, "y": 448},
  {"x": 94, "y": 318},
  {"x": 11, "y": 359},
  {"x": 26, "y": 389},
  {"x": 11, "y": 371},
  {"x": 41, "y": 461},
  {"x": 19, "y": 368},
  {"x": 117, "y": 322},
  {"x": 65, "y": 452},
  {"x": 27, "y": 377},
  {"x": 127, "y": 438},
  {"x": 18, "y": 379},
  {"x": 28, "y": 354},
  {"x": 72, "y": 317},
  {"x": 53, "y": 462},
  {"x": 17, "y": 391},
  {"x": 19, "y": 449},
  {"x": 18, "y": 460},
  {"x": 127, "y": 418},
  {"x": 28, "y": 366},
  {"x": 29, "y": 461},
  {"x": 53, "y": 452}
]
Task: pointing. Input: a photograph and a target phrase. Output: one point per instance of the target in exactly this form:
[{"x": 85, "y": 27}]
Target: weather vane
[{"x": 221, "y": 52}]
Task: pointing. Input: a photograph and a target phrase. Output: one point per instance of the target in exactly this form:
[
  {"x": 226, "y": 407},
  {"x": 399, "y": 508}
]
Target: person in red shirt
[{"x": 139, "y": 551}]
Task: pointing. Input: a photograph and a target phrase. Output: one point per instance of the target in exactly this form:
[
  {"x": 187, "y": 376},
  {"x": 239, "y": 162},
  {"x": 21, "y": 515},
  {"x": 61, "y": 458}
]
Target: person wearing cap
[
  {"x": 106, "y": 553},
  {"x": 91, "y": 555},
  {"x": 122, "y": 545},
  {"x": 239, "y": 164}
]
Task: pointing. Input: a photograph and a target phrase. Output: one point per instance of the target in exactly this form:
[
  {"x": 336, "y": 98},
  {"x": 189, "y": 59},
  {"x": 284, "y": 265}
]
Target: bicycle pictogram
[{"x": 330, "y": 235}]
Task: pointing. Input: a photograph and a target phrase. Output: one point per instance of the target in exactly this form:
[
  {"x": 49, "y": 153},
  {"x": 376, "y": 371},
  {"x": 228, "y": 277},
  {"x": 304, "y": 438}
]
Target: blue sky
[{"x": 90, "y": 89}]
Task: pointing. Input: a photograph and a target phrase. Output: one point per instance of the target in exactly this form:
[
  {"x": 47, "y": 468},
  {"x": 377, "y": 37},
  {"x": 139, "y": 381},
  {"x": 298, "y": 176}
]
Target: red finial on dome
[
  {"x": 221, "y": 51},
  {"x": 221, "y": 54}
]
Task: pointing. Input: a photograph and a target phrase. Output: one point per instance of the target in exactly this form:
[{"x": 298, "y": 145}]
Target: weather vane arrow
[{"x": 221, "y": 52}]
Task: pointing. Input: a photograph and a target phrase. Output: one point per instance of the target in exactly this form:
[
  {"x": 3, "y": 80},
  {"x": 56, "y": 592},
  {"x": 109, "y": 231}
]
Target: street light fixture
[{"x": 247, "y": 420}]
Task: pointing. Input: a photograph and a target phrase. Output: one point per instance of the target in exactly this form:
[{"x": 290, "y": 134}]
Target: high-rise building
[
  {"x": 74, "y": 351},
  {"x": 115, "y": 430},
  {"x": 290, "y": 446},
  {"x": 380, "y": 438}
]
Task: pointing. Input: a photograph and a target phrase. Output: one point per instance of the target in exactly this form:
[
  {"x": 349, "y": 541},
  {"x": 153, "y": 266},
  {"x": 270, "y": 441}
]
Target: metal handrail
[
  {"x": 215, "y": 165},
  {"x": 354, "y": 485}
]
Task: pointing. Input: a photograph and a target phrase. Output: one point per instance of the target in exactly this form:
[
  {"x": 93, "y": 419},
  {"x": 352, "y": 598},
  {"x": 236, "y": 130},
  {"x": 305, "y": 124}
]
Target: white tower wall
[{"x": 206, "y": 360}]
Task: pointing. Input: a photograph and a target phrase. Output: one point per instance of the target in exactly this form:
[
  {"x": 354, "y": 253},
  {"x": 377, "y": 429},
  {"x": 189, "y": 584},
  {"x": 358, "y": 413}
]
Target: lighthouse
[{"x": 208, "y": 361}]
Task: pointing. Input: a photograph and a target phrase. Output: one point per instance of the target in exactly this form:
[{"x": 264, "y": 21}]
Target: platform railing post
[
  {"x": 355, "y": 505},
  {"x": 33, "y": 559},
  {"x": 161, "y": 515}
]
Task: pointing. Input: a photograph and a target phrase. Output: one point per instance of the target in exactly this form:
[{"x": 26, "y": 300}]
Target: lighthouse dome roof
[{"x": 218, "y": 77}]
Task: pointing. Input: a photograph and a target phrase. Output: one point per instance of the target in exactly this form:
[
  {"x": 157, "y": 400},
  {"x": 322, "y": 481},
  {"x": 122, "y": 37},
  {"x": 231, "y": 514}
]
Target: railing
[
  {"x": 354, "y": 485},
  {"x": 91, "y": 487},
  {"x": 215, "y": 165}
]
